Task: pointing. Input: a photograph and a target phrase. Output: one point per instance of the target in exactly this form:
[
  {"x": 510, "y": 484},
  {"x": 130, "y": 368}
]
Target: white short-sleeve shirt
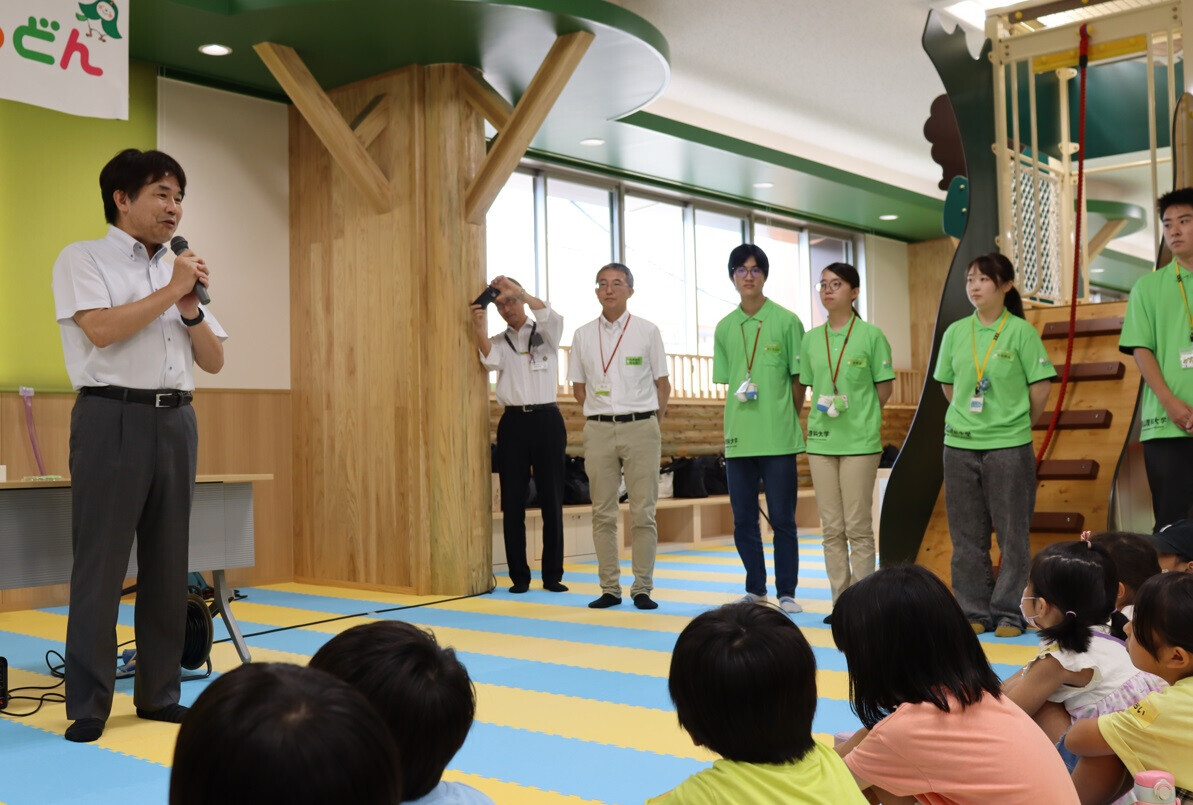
[
  {"x": 632, "y": 349},
  {"x": 114, "y": 271},
  {"x": 526, "y": 374}
]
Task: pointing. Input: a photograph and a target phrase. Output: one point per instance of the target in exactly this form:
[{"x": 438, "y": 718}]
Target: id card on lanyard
[
  {"x": 978, "y": 400},
  {"x": 604, "y": 388},
  {"x": 1186, "y": 354},
  {"x": 535, "y": 365}
]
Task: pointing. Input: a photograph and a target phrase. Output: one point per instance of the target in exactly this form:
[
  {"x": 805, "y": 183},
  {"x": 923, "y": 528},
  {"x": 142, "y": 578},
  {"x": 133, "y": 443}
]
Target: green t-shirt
[
  {"x": 1158, "y": 320},
  {"x": 857, "y": 430},
  {"x": 769, "y": 425},
  {"x": 818, "y": 777},
  {"x": 1017, "y": 360}
]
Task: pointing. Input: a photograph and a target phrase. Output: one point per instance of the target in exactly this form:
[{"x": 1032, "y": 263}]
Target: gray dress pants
[
  {"x": 984, "y": 490},
  {"x": 132, "y": 470}
]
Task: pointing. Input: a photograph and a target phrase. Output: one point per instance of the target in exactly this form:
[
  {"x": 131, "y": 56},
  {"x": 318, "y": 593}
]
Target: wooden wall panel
[
  {"x": 240, "y": 431},
  {"x": 927, "y": 266}
]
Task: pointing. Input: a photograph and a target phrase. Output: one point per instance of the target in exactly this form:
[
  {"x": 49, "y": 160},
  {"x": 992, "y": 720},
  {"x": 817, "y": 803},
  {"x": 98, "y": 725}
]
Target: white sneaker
[
  {"x": 750, "y": 598},
  {"x": 789, "y": 605}
]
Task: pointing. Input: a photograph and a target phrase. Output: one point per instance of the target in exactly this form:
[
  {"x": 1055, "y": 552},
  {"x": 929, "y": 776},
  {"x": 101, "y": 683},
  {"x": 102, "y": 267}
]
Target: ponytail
[
  {"x": 1118, "y": 625},
  {"x": 1014, "y": 302},
  {"x": 1071, "y": 634}
]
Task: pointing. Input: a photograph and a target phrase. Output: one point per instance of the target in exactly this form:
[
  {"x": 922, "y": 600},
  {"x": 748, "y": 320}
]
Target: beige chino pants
[
  {"x": 844, "y": 498},
  {"x": 634, "y": 448}
]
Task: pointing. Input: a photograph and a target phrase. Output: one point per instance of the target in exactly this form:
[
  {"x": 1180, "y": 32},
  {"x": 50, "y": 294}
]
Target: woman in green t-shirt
[
  {"x": 996, "y": 375},
  {"x": 847, "y": 364}
]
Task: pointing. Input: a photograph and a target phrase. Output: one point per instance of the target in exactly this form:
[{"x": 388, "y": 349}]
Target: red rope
[{"x": 1064, "y": 381}]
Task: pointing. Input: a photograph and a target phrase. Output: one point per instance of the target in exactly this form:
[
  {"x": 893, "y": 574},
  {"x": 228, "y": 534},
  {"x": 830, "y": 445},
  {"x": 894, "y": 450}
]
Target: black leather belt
[
  {"x": 526, "y": 409},
  {"x": 158, "y": 398},
  {"x": 622, "y": 417}
]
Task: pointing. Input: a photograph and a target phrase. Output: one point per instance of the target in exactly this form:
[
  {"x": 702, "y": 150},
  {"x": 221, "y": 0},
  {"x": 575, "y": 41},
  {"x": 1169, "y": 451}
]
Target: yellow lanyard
[
  {"x": 977, "y": 389},
  {"x": 1181, "y": 283}
]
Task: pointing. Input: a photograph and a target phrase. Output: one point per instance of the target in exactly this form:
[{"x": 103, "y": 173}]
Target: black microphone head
[{"x": 178, "y": 244}]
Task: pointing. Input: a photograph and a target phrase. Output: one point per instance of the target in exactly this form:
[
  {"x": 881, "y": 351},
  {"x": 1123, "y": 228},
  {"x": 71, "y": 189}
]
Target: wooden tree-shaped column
[{"x": 387, "y": 248}]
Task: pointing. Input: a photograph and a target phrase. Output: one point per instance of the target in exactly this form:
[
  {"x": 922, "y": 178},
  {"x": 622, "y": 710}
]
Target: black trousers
[
  {"x": 132, "y": 469},
  {"x": 1169, "y": 464},
  {"x": 526, "y": 440}
]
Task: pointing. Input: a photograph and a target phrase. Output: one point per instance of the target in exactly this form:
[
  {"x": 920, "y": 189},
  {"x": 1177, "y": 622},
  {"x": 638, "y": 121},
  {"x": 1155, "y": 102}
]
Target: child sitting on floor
[
  {"x": 1156, "y": 733},
  {"x": 1136, "y": 561},
  {"x": 937, "y": 727},
  {"x": 423, "y": 693},
  {"x": 1081, "y": 671},
  {"x": 743, "y": 680}
]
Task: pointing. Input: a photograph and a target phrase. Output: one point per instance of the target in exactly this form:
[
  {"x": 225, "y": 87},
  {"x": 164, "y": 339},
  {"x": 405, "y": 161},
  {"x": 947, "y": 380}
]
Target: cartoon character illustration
[{"x": 104, "y": 12}]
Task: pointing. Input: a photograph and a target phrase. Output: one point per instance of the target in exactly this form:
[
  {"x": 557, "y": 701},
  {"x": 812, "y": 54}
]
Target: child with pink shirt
[{"x": 937, "y": 728}]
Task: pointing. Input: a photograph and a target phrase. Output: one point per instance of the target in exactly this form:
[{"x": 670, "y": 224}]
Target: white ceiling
[{"x": 843, "y": 82}]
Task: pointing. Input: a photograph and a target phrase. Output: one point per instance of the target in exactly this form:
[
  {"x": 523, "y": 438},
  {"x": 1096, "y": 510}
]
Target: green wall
[{"x": 49, "y": 197}]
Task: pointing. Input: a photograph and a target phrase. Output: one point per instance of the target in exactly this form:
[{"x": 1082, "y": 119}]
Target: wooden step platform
[
  {"x": 1107, "y": 325},
  {"x": 1089, "y": 418},
  {"x": 1054, "y": 469}
]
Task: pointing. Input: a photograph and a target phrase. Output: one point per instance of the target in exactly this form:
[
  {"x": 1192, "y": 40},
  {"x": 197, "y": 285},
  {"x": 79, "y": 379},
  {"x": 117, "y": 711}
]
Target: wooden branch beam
[
  {"x": 327, "y": 123},
  {"x": 486, "y": 100},
  {"x": 511, "y": 144},
  {"x": 372, "y": 120},
  {"x": 1103, "y": 236}
]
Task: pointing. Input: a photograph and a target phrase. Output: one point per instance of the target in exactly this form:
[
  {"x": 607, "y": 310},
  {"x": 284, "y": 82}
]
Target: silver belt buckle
[
  {"x": 157, "y": 400},
  {"x": 526, "y": 409}
]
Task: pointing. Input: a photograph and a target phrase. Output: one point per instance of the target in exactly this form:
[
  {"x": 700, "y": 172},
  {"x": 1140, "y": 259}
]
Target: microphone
[{"x": 178, "y": 245}]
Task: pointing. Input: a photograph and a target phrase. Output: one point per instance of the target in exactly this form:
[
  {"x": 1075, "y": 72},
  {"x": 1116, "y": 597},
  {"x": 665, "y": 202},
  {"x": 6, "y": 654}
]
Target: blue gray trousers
[{"x": 987, "y": 490}]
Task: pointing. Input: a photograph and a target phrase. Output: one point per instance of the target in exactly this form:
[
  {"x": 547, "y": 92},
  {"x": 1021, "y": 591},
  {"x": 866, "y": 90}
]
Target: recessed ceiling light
[
  {"x": 888, "y": 218},
  {"x": 214, "y": 50},
  {"x": 764, "y": 185},
  {"x": 1097, "y": 270},
  {"x": 592, "y": 142}
]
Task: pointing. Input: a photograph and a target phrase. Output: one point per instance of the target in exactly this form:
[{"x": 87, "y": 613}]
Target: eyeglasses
[
  {"x": 829, "y": 285},
  {"x": 615, "y": 284},
  {"x": 744, "y": 271}
]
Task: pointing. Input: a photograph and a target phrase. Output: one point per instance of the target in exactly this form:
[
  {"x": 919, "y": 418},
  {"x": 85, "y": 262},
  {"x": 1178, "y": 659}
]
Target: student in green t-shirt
[
  {"x": 847, "y": 363},
  {"x": 1158, "y": 333},
  {"x": 996, "y": 376},
  {"x": 756, "y": 352}
]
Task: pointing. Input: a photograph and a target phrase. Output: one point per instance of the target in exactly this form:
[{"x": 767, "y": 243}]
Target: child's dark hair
[
  {"x": 848, "y": 275},
  {"x": 1164, "y": 612},
  {"x": 999, "y": 268},
  {"x": 906, "y": 640},
  {"x": 743, "y": 680},
  {"x": 744, "y": 252},
  {"x": 1081, "y": 580},
  {"x": 1134, "y": 556},
  {"x": 421, "y": 690},
  {"x": 272, "y": 732}
]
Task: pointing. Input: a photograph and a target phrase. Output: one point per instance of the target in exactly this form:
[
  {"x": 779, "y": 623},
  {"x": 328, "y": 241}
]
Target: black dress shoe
[
  {"x": 520, "y": 587},
  {"x": 642, "y": 601},
  {"x": 85, "y": 730},
  {"x": 605, "y": 601},
  {"x": 554, "y": 587}
]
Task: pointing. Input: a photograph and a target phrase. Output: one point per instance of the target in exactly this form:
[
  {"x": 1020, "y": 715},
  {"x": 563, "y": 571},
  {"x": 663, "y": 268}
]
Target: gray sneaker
[
  {"x": 750, "y": 598},
  {"x": 789, "y": 605}
]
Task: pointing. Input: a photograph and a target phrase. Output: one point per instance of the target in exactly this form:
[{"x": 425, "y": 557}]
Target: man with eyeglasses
[
  {"x": 618, "y": 371},
  {"x": 531, "y": 433},
  {"x": 756, "y": 352}
]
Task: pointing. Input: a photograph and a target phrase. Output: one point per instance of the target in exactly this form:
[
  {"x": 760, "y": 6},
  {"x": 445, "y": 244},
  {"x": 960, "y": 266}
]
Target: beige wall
[
  {"x": 887, "y": 295},
  {"x": 235, "y": 151}
]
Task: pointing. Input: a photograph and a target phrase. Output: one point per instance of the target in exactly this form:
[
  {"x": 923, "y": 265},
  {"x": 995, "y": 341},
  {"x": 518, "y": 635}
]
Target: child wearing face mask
[{"x": 1082, "y": 671}]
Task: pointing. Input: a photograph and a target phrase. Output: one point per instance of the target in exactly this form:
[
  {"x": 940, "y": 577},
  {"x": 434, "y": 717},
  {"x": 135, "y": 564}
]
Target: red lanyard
[
  {"x": 605, "y": 365},
  {"x": 829, "y": 352},
  {"x": 750, "y": 360}
]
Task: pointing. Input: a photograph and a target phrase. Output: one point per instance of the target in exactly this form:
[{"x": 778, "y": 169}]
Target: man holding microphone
[{"x": 132, "y": 331}]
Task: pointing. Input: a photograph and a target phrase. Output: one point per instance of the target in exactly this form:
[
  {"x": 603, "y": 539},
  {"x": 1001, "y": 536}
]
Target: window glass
[
  {"x": 654, "y": 249},
  {"x": 579, "y": 242},
  {"x": 787, "y": 283},
  {"x": 716, "y": 236},
  {"x": 509, "y": 239}
]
